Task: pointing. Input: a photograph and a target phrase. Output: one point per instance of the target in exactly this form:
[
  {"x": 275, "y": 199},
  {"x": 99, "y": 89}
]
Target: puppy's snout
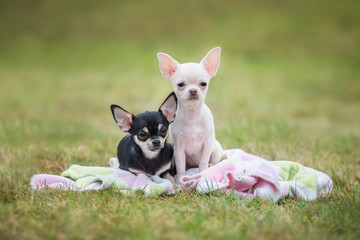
[
  {"x": 193, "y": 91},
  {"x": 156, "y": 143}
]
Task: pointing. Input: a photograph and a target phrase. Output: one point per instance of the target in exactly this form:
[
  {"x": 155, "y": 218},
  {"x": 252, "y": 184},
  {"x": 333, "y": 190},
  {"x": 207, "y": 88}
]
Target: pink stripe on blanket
[
  {"x": 216, "y": 173},
  {"x": 127, "y": 177},
  {"x": 243, "y": 173},
  {"x": 53, "y": 181},
  {"x": 141, "y": 181}
]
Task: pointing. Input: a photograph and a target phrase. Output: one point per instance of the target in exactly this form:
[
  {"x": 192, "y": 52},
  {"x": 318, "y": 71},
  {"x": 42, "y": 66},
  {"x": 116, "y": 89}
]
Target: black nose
[{"x": 156, "y": 143}]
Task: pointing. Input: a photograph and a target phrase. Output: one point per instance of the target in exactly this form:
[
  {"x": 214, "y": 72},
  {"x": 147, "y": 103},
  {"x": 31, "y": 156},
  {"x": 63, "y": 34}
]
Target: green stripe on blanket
[
  {"x": 293, "y": 171},
  {"x": 97, "y": 178},
  {"x": 77, "y": 171}
]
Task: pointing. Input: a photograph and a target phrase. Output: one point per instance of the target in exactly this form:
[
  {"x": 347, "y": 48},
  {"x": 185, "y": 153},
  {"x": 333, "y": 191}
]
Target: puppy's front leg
[
  {"x": 205, "y": 156},
  {"x": 171, "y": 179},
  {"x": 180, "y": 162}
]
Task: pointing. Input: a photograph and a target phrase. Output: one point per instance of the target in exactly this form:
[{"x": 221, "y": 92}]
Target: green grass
[{"x": 288, "y": 87}]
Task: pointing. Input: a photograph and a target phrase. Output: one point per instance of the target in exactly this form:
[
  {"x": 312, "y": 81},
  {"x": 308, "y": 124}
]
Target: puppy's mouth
[
  {"x": 193, "y": 98},
  {"x": 154, "y": 148}
]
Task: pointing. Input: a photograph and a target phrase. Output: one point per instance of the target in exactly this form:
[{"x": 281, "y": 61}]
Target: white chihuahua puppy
[{"x": 193, "y": 130}]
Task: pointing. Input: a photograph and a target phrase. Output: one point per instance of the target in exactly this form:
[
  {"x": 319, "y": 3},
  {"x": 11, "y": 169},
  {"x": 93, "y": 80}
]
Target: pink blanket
[
  {"x": 250, "y": 176},
  {"x": 246, "y": 175},
  {"x": 242, "y": 173}
]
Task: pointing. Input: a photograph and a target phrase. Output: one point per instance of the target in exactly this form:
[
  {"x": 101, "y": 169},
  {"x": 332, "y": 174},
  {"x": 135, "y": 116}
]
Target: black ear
[
  {"x": 122, "y": 117},
  {"x": 169, "y": 106}
]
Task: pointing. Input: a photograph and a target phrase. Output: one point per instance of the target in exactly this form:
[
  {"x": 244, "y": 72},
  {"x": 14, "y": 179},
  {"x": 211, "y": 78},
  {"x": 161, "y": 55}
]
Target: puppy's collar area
[{"x": 151, "y": 154}]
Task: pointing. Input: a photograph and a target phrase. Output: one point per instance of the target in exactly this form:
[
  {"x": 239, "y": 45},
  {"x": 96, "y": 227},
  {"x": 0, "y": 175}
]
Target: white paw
[{"x": 114, "y": 163}]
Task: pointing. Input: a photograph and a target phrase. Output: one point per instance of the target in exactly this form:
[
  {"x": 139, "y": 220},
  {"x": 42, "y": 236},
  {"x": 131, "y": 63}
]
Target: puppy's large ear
[
  {"x": 122, "y": 117},
  {"x": 167, "y": 64},
  {"x": 211, "y": 61},
  {"x": 168, "y": 108}
]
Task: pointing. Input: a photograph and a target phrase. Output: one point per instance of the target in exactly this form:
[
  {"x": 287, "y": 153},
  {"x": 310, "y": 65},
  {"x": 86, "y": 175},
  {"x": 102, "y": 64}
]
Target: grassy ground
[{"x": 288, "y": 87}]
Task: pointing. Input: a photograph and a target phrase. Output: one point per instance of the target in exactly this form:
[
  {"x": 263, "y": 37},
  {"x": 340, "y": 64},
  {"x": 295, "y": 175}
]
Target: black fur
[{"x": 129, "y": 154}]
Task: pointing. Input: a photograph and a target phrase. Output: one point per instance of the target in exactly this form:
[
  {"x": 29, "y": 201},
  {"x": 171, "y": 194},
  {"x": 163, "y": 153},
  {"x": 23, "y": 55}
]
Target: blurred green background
[
  {"x": 289, "y": 70},
  {"x": 288, "y": 87}
]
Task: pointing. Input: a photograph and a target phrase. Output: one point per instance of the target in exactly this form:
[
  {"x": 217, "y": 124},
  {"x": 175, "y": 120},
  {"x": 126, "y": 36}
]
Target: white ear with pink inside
[
  {"x": 167, "y": 64},
  {"x": 211, "y": 61}
]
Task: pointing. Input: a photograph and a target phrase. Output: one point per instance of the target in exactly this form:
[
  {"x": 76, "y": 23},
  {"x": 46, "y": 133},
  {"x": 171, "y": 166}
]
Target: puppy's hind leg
[{"x": 217, "y": 154}]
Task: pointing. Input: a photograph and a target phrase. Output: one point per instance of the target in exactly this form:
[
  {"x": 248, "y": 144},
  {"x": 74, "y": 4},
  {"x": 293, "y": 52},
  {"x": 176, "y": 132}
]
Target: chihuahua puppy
[
  {"x": 145, "y": 149},
  {"x": 193, "y": 131}
]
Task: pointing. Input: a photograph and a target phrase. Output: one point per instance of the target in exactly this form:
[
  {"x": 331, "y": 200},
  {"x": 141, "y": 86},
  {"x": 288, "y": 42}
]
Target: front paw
[
  {"x": 176, "y": 186},
  {"x": 114, "y": 163},
  {"x": 177, "y": 179},
  {"x": 172, "y": 180}
]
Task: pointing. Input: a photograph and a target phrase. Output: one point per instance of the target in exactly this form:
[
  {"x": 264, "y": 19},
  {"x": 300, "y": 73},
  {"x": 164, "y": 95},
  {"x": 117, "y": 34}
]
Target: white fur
[
  {"x": 147, "y": 145},
  {"x": 193, "y": 131},
  {"x": 137, "y": 172},
  {"x": 163, "y": 169}
]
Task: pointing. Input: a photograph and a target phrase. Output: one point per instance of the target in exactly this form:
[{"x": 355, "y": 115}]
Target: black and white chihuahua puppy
[{"x": 145, "y": 149}]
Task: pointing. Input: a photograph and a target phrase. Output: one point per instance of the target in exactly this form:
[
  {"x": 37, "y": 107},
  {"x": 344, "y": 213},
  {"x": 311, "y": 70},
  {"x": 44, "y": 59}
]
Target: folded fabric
[
  {"x": 244, "y": 174},
  {"x": 303, "y": 182},
  {"x": 82, "y": 178},
  {"x": 40, "y": 181},
  {"x": 250, "y": 176}
]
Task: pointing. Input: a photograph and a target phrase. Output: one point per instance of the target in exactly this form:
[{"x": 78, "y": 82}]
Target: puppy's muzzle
[
  {"x": 193, "y": 93},
  {"x": 156, "y": 143}
]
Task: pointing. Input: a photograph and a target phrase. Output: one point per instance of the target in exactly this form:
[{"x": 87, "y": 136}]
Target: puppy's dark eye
[
  {"x": 203, "y": 84},
  {"x": 142, "y": 135},
  {"x": 163, "y": 130},
  {"x": 181, "y": 84}
]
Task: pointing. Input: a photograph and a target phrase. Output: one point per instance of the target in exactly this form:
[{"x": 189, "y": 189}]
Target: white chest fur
[{"x": 191, "y": 133}]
